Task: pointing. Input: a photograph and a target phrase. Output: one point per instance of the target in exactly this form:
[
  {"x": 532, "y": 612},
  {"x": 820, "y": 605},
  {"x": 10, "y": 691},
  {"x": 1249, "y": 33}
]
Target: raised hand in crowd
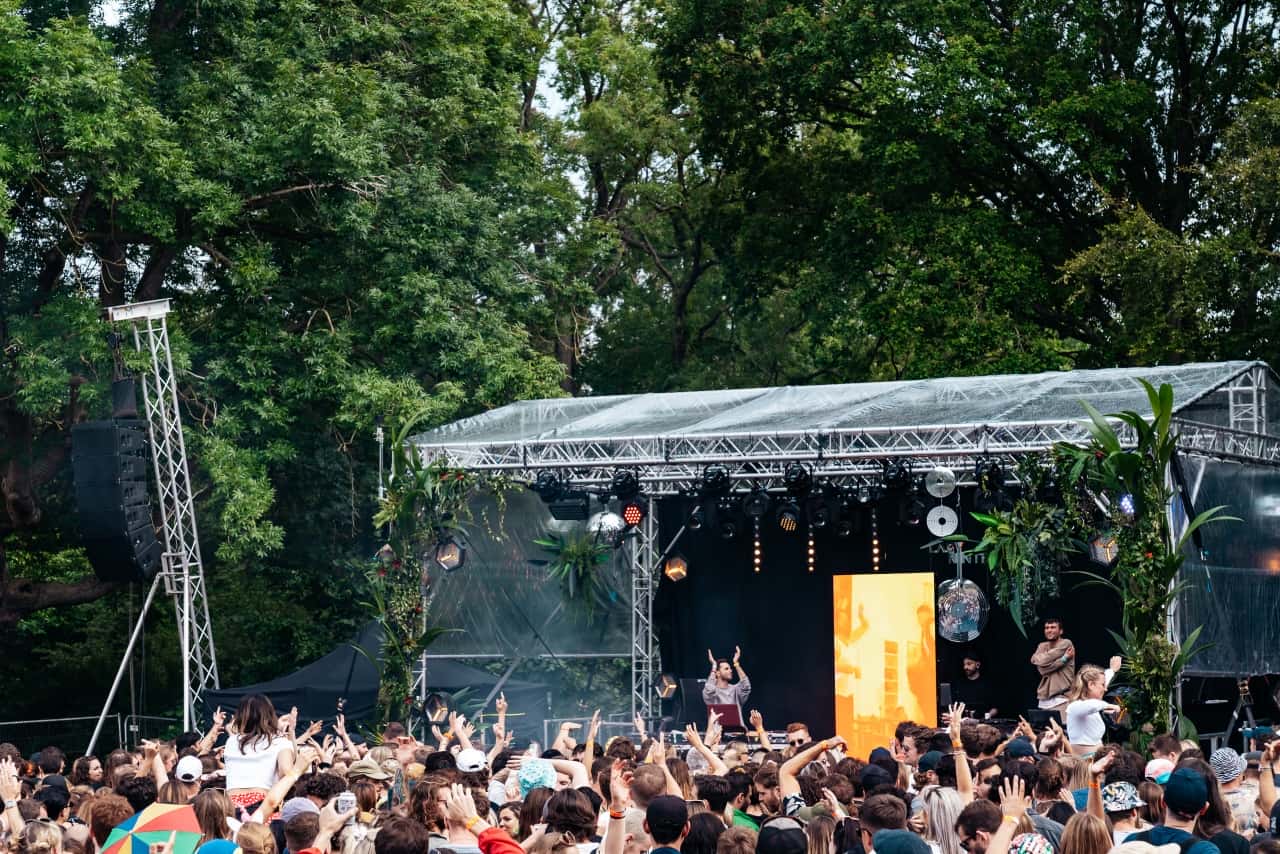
[
  {"x": 641, "y": 729},
  {"x": 460, "y": 808}
]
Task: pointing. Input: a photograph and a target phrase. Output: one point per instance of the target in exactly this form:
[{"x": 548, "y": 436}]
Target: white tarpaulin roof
[{"x": 909, "y": 404}]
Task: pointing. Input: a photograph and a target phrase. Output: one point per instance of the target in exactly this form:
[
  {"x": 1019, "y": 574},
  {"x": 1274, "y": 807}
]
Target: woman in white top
[
  {"x": 1085, "y": 727},
  {"x": 256, "y": 754}
]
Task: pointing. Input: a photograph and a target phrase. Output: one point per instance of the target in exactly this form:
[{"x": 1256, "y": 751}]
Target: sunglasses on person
[{"x": 796, "y": 742}]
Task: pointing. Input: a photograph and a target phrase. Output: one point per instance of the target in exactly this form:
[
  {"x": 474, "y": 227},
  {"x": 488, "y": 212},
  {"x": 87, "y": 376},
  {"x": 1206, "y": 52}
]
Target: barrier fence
[{"x": 70, "y": 734}]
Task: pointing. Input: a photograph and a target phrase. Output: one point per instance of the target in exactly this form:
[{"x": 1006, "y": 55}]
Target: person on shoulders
[{"x": 1085, "y": 727}]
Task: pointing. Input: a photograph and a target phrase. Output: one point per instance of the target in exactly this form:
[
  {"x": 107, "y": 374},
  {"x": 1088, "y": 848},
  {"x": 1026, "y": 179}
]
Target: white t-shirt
[
  {"x": 1085, "y": 727},
  {"x": 255, "y": 766}
]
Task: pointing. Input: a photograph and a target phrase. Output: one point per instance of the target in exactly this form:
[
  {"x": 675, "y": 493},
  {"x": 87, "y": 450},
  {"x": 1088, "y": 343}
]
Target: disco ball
[
  {"x": 607, "y": 526},
  {"x": 962, "y": 610}
]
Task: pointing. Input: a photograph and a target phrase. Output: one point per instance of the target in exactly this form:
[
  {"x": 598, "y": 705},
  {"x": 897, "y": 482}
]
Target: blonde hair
[
  {"x": 40, "y": 837},
  {"x": 942, "y": 806},
  {"x": 256, "y": 838},
  {"x": 1084, "y": 676},
  {"x": 1075, "y": 771},
  {"x": 1086, "y": 834},
  {"x": 212, "y": 808}
]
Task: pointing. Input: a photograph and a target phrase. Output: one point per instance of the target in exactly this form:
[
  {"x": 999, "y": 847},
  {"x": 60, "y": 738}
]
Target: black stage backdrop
[{"x": 782, "y": 617}]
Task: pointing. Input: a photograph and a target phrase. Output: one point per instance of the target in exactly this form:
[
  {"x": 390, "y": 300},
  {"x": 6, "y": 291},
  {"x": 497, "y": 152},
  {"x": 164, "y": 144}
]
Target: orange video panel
[{"x": 886, "y": 667}]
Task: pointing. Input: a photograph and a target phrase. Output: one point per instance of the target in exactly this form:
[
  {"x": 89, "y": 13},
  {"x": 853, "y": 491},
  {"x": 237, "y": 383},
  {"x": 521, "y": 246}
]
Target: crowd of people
[{"x": 258, "y": 785}]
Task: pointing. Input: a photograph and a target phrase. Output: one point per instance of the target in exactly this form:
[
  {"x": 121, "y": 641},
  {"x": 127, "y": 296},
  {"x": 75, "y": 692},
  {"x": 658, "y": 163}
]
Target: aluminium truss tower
[{"x": 181, "y": 567}]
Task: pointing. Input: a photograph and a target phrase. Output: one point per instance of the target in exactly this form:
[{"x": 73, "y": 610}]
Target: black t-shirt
[{"x": 974, "y": 693}]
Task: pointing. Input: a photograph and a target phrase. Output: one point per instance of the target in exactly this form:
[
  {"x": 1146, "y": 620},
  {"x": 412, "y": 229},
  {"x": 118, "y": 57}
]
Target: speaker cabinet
[{"x": 109, "y": 466}]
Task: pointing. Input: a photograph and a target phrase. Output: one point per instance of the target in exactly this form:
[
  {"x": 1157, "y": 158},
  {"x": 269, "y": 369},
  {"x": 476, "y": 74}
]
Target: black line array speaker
[{"x": 109, "y": 465}]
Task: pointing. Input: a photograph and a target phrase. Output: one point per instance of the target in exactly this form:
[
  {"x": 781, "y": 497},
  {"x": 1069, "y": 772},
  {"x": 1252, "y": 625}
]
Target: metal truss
[
  {"x": 673, "y": 464},
  {"x": 181, "y": 566},
  {"x": 645, "y": 663}
]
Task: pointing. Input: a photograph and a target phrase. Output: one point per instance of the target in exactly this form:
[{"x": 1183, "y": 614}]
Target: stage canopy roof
[{"x": 955, "y": 416}]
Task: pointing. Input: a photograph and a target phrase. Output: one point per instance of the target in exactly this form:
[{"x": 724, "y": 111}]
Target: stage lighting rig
[
  {"x": 696, "y": 519},
  {"x": 666, "y": 685},
  {"x": 676, "y": 568},
  {"x": 990, "y": 476},
  {"x": 634, "y": 510},
  {"x": 726, "y": 521},
  {"x": 547, "y": 486},
  {"x": 818, "y": 513},
  {"x": 565, "y": 503},
  {"x": 755, "y": 503},
  {"x": 624, "y": 484},
  {"x": 449, "y": 554},
  {"x": 1103, "y": 549},
  {"x": 788, "y": 516},
  {"x": 715, "y": 481},
  {"x": 897, "y": 475},
  {"x": 797, "y": 478}
]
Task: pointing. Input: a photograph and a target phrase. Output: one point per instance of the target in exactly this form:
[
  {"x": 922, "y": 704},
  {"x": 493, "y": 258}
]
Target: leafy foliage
[
  {"x": 1145, "y": 574},
  {"x": 577, "y": 560}
]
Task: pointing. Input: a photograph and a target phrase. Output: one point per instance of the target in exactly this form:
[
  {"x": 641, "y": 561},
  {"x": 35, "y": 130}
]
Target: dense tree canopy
[{"x": 364, "y": 211}]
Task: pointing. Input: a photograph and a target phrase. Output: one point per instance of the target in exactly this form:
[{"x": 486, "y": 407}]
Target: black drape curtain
[{"x": 782, "y": 617}]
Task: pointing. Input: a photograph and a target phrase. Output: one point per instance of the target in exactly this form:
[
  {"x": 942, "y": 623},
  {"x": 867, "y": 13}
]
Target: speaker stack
[{"x": 109, "y": 464}]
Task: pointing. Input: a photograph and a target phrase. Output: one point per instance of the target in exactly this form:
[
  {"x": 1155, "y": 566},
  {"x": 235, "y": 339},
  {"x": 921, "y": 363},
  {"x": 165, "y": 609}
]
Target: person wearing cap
[
  {"x": 1185, "y": 798},
  {"x": 974, "y": 690},
  {"x": 1020, "y": 749},
  {"x": 1158, "y": 770},
  {"x": 1120, "y": 802},
  {"x": 187, "y": 774},
  {"x": 666, "y": 820},
  {"x": 782, "y": 835},
  {"x": 928, "y": 766},
  {"x": 1229, "y": 766}
]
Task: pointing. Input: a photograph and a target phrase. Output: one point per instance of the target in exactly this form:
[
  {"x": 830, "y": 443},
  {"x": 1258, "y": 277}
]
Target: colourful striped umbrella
[{"x": 156, "y": 823}]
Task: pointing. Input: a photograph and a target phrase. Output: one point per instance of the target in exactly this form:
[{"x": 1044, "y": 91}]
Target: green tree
[
  {"x": 336, "y": 199},
  {"x": 931, "y": 167}
]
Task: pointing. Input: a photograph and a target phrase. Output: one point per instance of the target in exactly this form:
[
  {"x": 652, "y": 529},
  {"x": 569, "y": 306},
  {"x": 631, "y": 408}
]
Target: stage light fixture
[
  {"x": 547, "y": 486},
  {"x": 726, "y": 523},
  {"x": 788, "y": 517},
  {"x": 818, "y": 514},
  {"x": 676, "y": 568},
  {"x": 665, "y": 686},
  {"x": 797, "y": 478},
  {"x": 450, "y": 554},
  {"x": 634, "y": 510},
  {"x": 715, "y": 480},
  {"x": 1103, "y": 549},
  {"x": 897, "y": 475},
  {"x": 843, "y": 528},
  {"x": 875, "y": 541},
  {"x": 755, "y": 554},
  {"x": 696, "y": 519},
  {"x": 755, "y": 503},
  {"x": 915, "y": 509},
  {"x": 570, "y": 506},
  {"x": 1128, "y": 506},
  {"x": 813, "y": 554},
  {"x": 624, "y": 484}
]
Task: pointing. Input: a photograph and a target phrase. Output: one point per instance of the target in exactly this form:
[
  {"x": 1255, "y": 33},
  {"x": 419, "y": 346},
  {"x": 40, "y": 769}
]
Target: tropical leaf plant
[{"x": 578, "y": 560}]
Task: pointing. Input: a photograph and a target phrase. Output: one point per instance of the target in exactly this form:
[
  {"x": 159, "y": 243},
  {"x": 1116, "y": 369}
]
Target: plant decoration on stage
[
  {"x": 426, "y": 504},
  {"x": 578, "y": 561},
  {"x": 1027, "y": 546},
  {"x": 1122, "y": 493}
]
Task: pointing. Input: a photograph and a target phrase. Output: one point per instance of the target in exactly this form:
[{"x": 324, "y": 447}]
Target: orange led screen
[{"x": 886, "y": 669}]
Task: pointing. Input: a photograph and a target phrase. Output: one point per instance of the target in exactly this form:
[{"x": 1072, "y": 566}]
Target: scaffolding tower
[{"x": 181, "y": 567}]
